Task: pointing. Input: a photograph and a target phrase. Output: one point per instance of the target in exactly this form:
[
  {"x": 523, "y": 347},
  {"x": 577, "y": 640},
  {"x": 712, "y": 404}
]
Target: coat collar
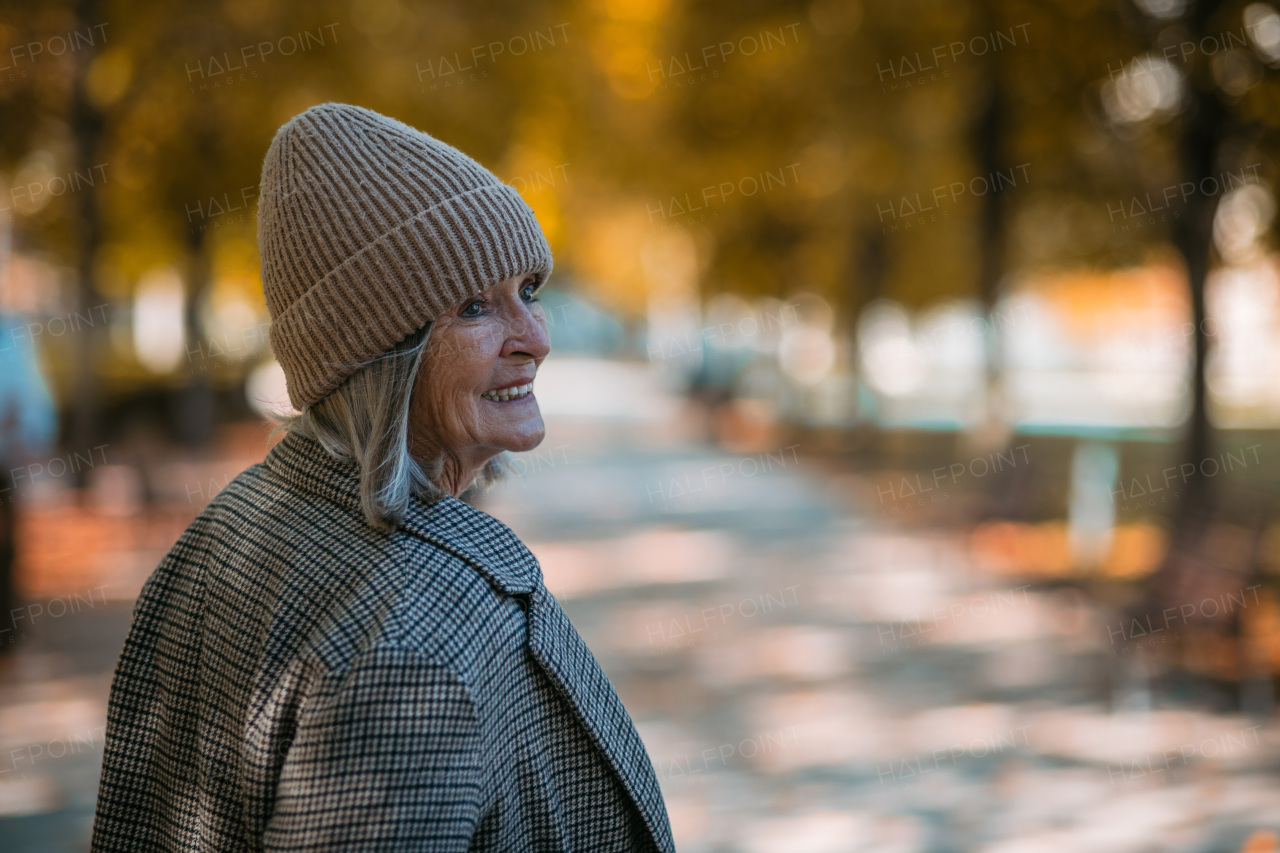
[{"x": 451, "y": 524}]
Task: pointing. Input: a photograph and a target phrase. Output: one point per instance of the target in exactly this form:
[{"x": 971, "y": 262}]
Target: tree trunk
[
  {"x": 194, "y": 406},
  {"x": 1204, "y": 126},
  {"x": 86, "y": 126},
  {"x": 988, "y": 136}
]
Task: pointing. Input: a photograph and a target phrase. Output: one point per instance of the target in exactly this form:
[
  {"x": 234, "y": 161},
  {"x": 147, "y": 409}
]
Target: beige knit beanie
[{"x": 370, "y": 229}]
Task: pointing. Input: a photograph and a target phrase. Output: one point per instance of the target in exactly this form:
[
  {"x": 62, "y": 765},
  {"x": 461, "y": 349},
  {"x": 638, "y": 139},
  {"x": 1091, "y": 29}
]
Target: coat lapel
[
  {"x": 563, "y": 654},
  {"x": 497, "y": 553}
]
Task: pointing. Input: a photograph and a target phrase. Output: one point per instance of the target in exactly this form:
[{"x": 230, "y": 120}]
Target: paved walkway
[
  {"x": 809, "y": 680},
  {"x": 806, "y": 678}
]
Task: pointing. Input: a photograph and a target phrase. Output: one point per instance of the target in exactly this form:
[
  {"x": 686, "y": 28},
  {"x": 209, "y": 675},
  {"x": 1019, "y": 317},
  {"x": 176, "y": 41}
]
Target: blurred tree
[
  {"x": 48, "y": 107},
  {"x": 622, "y": 126},
  {"x": 1205, "y": 125},
  {"x": 1218, "y": 130},
  {"x": 86, "y": 121},
  {"x": 989, "y": 134}
]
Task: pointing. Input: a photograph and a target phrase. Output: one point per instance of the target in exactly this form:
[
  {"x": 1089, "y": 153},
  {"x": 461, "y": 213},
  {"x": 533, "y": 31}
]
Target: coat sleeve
[{"x": 386, "y": 758}]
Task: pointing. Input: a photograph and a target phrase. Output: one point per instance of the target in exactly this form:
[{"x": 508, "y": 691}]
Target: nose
[{"x": 527, "y": 332}]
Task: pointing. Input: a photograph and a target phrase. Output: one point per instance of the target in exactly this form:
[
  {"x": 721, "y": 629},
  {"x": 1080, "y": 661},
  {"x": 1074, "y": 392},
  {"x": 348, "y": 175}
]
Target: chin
[{"x": 524, "y": 443}]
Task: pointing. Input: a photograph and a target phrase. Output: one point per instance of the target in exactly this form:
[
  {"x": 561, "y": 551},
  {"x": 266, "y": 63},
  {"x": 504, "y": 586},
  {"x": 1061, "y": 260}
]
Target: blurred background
[{"x": 912, "y": 417}]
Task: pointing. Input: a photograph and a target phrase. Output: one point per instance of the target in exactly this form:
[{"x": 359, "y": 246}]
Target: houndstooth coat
[{"x": 295, "y": 680}]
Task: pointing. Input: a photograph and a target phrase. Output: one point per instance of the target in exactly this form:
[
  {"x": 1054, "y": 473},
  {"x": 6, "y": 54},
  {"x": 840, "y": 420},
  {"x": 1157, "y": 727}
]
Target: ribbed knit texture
[{"x": 368, "y": 230}]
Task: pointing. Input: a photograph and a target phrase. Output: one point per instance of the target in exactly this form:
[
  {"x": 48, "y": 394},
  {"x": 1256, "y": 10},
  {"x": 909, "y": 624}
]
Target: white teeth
[{"x": 514, "y": 392}]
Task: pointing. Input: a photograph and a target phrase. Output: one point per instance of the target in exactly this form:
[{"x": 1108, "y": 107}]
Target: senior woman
[{"x": 340, "y": 653}]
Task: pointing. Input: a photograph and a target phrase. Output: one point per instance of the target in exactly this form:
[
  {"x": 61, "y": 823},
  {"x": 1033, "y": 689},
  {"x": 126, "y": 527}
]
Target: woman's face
[{"x": 477, "y": 352}]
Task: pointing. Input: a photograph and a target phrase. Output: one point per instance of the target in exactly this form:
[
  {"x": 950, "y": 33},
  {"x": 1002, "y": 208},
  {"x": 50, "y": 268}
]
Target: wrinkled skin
[{"x": 494, "y": 340}]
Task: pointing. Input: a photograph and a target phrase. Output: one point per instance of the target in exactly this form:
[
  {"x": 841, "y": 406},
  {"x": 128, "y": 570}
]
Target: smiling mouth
[{"x": 505, "y": 395}]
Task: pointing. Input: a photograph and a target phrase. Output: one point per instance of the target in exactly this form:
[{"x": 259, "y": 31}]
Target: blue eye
[{"x": 527, "y": 292}]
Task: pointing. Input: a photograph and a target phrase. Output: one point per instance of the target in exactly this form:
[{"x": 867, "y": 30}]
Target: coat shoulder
[
  {"x": 311, "y": 579},
  {"x": 449, "y": 611}
]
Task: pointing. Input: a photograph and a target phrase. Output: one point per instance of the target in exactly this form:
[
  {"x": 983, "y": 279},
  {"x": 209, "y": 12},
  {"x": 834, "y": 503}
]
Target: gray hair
[{"x": 366, "y": 420}]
